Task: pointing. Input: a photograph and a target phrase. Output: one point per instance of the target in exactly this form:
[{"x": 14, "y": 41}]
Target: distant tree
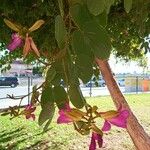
[
  {"x": 38, "y": 70},
  {"x": 143, "y": 63}
]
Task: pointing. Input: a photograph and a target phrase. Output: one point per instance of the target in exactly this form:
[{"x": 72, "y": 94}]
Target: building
[{"x": 19, "y": 69}]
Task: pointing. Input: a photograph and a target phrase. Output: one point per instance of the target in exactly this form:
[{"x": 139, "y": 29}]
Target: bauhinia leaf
[
  {"x": 46, "y": 113},
  {"x": 47, "y": 96},
  {"x": 47, "y": 104},
  {"x": 76, "y": 96},
  {"x": 36, "y": 25},
  {"x": 50, "y": 74},
  {"x": 61, "y": 8},
  {"x": 108, "y": 4},
  {"x": 98, "y": 40},
  {"x": 94, "y": 36},
  {"x": 47, "y": 125},
  {"x": 60, "y": 96},
  {"x": 60, "y": 32},
  {"x": 80, "y": 15},
  {"x": 127, "y": 5},
  {"x": 12, "y": 25},
  {"x": 84, "y": 57},
  {"x": 73, "y": 2},
  {"x": 84, "y": 73},
  {"x": 101, "y": 19},
  {"x": 96, "y": 7}
]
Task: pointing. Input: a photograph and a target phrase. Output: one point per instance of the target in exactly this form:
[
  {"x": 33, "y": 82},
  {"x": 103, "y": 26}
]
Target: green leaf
[
  {"x": 101, "y": 19},
  {"x": 47, "y": 96},
  {"x": 96, "y": 7},
  {"x": 47, "y": 125},
  {"x": 50, "y": 75},
  {"x": 84, "y": 58},
  {"x": 73, "y": 2},
  {"x": 98, "y": 40},
  {"x": 108, "y": 4},
  {"x": 60, "y": 96},
  {"x": 80, "y": 15},
  {"x": 61, "y": 8},
  {"x": 60, "y": 32},
  {"x": 127, "y": 5},
  {"x": 47, "y": 104},
  {"x": 84, "y": 73},
  {"x": 76, "y": 96},
  {"x": 93, "y": 35},
  {"x": 79, "y": 43},
  {"x": 57, "y": 80},
  {"x": 46, "y": 113}
]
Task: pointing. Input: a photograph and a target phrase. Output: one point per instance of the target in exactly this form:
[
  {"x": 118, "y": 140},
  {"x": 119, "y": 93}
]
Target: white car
[{"x": 121, "y": 82}]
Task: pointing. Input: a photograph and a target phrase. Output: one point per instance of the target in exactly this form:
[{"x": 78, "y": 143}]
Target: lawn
[{"x": 20, "y": 134}]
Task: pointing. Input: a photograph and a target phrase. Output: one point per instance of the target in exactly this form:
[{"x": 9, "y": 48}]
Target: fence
[
  {"x": 127, "y": 84},
  {"x": 24, "y": 88}
]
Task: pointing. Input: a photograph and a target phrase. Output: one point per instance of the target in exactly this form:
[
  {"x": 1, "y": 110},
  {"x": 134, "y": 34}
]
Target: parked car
[
  {"x": 9, "y": 81},
  {"x": 100, "y": 83},
  {"x": 121, "y": 82}
]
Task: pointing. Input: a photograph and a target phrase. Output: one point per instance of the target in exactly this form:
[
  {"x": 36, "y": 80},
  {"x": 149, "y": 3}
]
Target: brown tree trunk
[{"x": 139, "y": 137}]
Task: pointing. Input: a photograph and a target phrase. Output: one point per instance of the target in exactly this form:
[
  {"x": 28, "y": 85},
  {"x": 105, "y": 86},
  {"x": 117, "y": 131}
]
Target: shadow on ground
[{"x": 7, "y": 141}]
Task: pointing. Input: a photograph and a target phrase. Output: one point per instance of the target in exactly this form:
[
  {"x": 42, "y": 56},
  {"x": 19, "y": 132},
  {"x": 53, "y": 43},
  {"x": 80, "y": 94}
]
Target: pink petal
[
  {"x": 30, "y": 117},
  {"x": 27, "y": 116},
  {"x": 93, "y": 143},
  {"x": 95, "y": 137},
  {"x": 30, "y": 108},
  {"x": 14, "y": 35},
  {"x": 121, "y": 119},
  {"x": 106, "y": 126},
  {"x": 125, "y": 113},
  {"x": 67, "y": 107},
  {"x": 99, "y": 139},
  {"x": 15, "y": 42},
  {"x": 63, "y": 118}
]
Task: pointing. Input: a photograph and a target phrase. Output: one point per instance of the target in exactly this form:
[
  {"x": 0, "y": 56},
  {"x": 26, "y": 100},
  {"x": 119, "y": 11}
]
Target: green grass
[{"x": 23, "y": 134}]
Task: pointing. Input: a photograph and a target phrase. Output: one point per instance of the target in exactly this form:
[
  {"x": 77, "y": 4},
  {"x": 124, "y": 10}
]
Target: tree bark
[{"x": 139, "y": 137}]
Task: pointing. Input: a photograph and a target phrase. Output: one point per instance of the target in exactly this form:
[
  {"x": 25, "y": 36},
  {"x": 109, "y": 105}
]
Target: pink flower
[
  {"x": 16, "y": 41},
  {"x": 28, "y": 112},
  {"x": 119, "y": 121},
  {"x": 95, "y": 137},
  {"x": 63, "y": 118}
]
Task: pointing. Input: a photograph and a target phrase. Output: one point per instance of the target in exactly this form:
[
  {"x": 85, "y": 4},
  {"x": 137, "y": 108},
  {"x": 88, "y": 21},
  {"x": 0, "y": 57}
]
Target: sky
[{"x": 123, "y": 67}]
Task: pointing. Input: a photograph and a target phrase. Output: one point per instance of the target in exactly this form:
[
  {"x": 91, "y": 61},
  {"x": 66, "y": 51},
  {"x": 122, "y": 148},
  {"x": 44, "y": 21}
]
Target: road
[{"x": 23, "y": 90}]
